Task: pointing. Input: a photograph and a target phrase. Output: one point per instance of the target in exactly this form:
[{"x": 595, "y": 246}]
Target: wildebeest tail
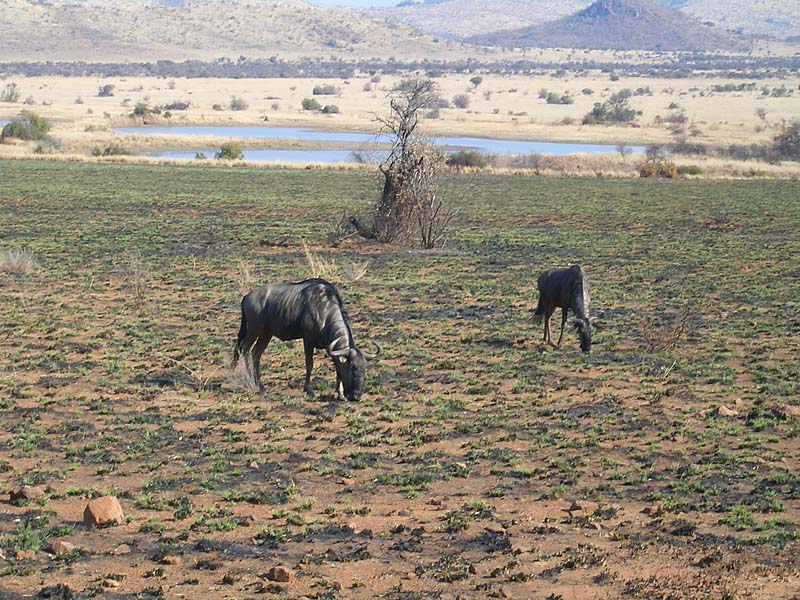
[
  {"x": 538, "y": 314},
  {"x": 239, "y": 339}
]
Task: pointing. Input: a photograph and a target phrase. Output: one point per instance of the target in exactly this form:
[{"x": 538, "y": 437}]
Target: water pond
[{"x": 368, "y": 141}]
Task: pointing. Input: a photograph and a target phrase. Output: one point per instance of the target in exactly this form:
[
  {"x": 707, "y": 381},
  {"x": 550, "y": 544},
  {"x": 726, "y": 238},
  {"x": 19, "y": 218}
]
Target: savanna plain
[{"x": 480, "y": 463}]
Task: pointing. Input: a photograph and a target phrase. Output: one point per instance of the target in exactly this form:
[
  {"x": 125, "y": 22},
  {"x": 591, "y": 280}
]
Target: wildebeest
[
  {"x": 311, "y": 310},
  {"x": 566, "y": 289}
]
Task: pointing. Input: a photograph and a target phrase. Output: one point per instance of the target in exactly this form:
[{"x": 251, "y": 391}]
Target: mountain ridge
[{"x": 619, "y": 25}]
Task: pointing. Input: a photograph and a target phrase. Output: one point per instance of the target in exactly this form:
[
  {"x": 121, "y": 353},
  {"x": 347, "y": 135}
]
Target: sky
[{"x": 359, "y": 3}]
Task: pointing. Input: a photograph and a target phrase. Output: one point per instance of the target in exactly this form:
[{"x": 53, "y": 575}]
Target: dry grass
[
  {"x": 18, "y": 261},
  {"x": 319, "y": 265}
]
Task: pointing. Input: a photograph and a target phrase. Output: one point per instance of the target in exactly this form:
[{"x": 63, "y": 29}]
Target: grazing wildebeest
[
  {"x": 566, "y": 289},
  {"x": 311, "y": 310}
]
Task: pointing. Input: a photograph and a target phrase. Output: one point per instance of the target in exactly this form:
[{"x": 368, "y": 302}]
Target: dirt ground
[{"x": 480, "y": 464}]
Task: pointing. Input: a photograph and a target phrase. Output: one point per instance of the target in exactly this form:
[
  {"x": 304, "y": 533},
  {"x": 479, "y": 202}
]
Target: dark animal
[
  {"x": 566, "y": 289},
  {"x": 311, "y": 310}
]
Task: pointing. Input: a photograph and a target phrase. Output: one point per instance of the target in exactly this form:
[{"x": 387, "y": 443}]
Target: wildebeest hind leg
[{"x": 260, "y": 346}]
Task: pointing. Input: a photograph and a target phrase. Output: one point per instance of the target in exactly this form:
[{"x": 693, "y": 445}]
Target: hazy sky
[{"x": 355, "y": 2}]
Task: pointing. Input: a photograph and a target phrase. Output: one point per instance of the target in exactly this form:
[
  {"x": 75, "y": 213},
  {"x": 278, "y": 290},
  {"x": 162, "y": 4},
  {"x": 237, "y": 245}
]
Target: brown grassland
[{"x": 506, "y": 107}]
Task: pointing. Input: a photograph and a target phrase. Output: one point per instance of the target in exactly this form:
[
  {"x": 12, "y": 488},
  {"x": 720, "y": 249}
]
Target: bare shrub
[
  {"x": 409, "y": 206},
  {"x": 18, "y": 261},
  {"x": 666, "y": 332},
  {"x": 245, "y": 278},
  {"x": 354, "y": 271},
  {"x": 135, "y": 279}
]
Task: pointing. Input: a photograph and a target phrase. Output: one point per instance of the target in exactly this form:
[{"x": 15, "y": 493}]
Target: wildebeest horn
[
  {"x": 369, "y": 356},
  {"x": 341, "y": 352}
]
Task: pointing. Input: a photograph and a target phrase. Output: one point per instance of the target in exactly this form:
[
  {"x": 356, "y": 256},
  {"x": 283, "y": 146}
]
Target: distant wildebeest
[
  {"x": 566, "y": 289},
  {"x": 311, "y": 310}
]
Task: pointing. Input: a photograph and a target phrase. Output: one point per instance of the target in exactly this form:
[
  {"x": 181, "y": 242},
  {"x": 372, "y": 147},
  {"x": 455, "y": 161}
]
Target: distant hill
[
  {"x": 147, "y": 30},
  {"x": 619, "y": 25},
  {"x": 467, "y": 18}
]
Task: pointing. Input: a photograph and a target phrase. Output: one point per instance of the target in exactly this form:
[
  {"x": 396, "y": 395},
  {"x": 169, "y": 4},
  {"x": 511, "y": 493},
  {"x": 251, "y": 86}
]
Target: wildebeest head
[
  {"x": 584, "y": 327},
  {"x": 351, "y": 368}
]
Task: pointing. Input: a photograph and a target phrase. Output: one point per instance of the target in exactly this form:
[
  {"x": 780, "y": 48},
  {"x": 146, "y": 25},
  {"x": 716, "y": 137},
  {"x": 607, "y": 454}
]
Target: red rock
[
  {"x": 171, "y": 560},
  {"x": 62, "y": 547},
  {"x": 121, "y": 549},
  {"x": 280, "y": 573},
  {"x": 28, "y": 492},
  {"x": 103, "y": 512}
]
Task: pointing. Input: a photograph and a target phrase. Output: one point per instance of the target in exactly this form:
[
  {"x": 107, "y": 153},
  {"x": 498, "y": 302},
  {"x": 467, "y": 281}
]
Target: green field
[{"x": 455, "y": 473}]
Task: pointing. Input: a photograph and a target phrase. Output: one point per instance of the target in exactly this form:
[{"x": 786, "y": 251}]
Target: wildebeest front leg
[
  {"x": 258, "y": 350},
  {"x": 339, "y": 390},
  {"x": 309, "y": 350},
  {"x": 564, "y": 312}
]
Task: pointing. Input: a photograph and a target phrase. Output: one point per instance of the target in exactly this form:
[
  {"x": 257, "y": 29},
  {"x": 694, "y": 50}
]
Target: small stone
[
  {"x": 280, "y": 573},
  {"x": 62, "y": 547},
  {"x": 254, "y": 465},
  {"x": 121, "y": 549},
  {"x": 505, "y": 592},
  {"x": 473, "y": 570},
  {"x": 654, "y": 510},
  {"x": 103, "y": 512},
  {"x": 171, "y": 559},
  {"x": 787, "y": 410},
  {"x": 28, "y": 492},
  {"x": 110, "y": 583},
  {"x": 584, "y": 506},
  {"x": 724, "y": 411}
]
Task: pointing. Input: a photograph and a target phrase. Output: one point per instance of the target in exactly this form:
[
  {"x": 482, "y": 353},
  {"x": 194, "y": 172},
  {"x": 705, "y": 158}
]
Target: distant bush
[
  {"x": 330, "y": 109},
  {"x": 587, "y": 91},
  {"x": 142, "y": 110},
  {"x": 311, "y": 104},
  {"x": 476, "y": 81},
  {"x": 27, "y": 126},
  {"x": 461, "y": 101},
  {"x": 48, "y": 145},
  {"x": 657, "y": 165},
  {"x": 787, "y": 142},
  {"x": 216, "y": 107},
  {"x": 325, "y": 90},
  {"x": 10, "y": 93},
  {"x": 683, "y": 146},
  {"x": 238, "y": 103},
  {"x": 110, "y": 150},
  {"x": 230, "y": 151},
  {"x": 690, "y": 170},
  {"x": 466, "y": 158},
  {"x": 614, "y": 110},
  {"x": 106, "y": 91},
  {"x": 658, "y": 169},
  {"x": 178, "y": 105},
  {"x": 553, "y": 98}
]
